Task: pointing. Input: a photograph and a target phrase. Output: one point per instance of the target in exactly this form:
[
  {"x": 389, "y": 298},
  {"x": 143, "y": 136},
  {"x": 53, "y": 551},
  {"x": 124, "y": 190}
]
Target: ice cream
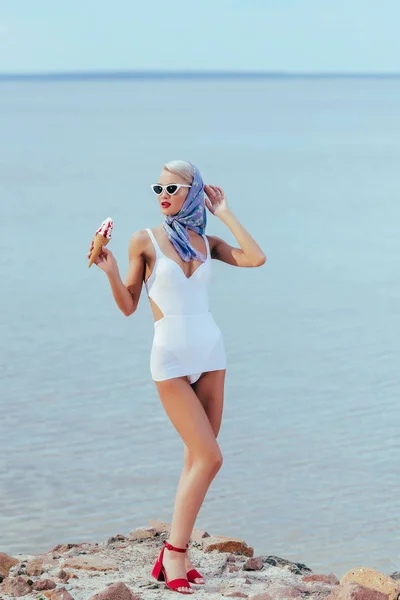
[{"x": 101, "y": 239}]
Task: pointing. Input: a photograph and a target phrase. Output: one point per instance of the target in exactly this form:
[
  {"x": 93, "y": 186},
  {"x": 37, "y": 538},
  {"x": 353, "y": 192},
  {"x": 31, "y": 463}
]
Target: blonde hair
[{"x": 182, "y": 168}]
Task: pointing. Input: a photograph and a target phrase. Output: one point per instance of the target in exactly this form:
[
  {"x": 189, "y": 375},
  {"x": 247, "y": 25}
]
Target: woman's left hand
[{"x": 215, "y": 200}]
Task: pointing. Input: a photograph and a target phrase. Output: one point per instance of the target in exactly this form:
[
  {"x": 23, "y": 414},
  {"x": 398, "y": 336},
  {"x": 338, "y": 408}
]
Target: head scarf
[{"x": 192, "y": 215}]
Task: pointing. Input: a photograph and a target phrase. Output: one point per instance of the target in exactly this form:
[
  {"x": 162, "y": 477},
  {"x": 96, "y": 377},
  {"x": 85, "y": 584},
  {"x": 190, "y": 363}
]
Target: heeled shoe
[
  {"x": 192, "y": 575},
  {"x": 159, "y": 571}
]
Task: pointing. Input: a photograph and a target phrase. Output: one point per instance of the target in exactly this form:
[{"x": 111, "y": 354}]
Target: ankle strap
[{"x": 171, "y": 547}]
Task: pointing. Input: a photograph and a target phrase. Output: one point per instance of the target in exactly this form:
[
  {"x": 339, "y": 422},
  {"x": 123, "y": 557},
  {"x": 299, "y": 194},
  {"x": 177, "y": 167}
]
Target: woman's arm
[
  {"x": 249, "y": 254},
  {"x": 126, "y": 295}
]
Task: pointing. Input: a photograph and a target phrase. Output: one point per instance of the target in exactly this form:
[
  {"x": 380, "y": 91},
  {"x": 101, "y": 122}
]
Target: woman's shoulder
[
  {"x": 139, "y": 235},
  {"x": 140, "y": 240},
  {"x": 143, "y": 234}
]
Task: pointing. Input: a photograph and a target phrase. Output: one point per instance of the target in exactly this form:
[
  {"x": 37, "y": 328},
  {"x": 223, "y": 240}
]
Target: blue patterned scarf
[{"x": 192, "y": 215}]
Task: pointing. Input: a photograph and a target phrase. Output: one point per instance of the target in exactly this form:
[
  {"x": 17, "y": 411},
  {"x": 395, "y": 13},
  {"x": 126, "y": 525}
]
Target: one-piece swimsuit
[{"x": 187, "y": 341}]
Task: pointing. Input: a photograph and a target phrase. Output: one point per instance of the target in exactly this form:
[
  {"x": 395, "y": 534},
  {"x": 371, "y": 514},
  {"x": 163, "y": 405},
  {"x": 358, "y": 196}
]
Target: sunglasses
[{"x": 171, "y": 188}]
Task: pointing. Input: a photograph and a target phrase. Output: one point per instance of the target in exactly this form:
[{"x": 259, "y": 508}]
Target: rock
[
  {"x": 373, "y": 580},
  {"x": 49, "y": 562},
  {"x": 6, "y": 562},
  {"x": 58, "y": 594},
  {"x": 73, "y": 549},
  {"x": 296, "y": 568},
  {"x": 331, "y": 578},
  {"x": 116, "y": 538},
  {"x": 231, "y": 558},
  {"x": 90, "y": 549},
  {"x": 116, "y": 591},
  {"x": 160, "y": 526},
  {"x": 61, "y": 548},
  {"x": 254, "y": 564},
  {"x": 219, "y": 563},
  {"x": 233, "y": 569},
  {"x": 223, "y": 543},
  {"x": 395, "y": 575},
  {"x": 282, "y": 591},
  {"x": 198, "y": 535},
  {"x": 16, "y": 586},
  {"x": 64, "y": 576},
  {"x": 91, "y": 563},
  {"x": 34, "y": 567},
  {"x": 354, "y": 591},
  {"x": 143, "y": 533},
  {"x": 44, "y": 584}
]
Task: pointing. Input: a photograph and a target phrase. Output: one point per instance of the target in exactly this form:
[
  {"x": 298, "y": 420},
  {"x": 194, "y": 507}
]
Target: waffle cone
[{"x": 99, "y": 242}]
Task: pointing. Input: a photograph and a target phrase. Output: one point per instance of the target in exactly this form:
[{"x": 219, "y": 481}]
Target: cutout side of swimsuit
[{"x": 157, "y": 312}]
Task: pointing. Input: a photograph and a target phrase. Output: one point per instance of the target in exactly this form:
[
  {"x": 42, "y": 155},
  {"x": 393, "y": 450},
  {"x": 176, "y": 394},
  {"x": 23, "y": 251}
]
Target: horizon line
[{"x": 203, "y": 74}]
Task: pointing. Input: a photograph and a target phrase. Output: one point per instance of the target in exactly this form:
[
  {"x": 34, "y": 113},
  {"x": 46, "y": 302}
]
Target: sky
[{"x": 347, "y": 36}]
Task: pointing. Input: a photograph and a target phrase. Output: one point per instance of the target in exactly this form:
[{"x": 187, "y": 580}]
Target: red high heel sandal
[
  {"x": 159, "y": 571},
  {"x": 192, "y": 575}
]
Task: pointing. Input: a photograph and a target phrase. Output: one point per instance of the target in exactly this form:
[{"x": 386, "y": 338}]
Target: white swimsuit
[{"x": 187, "y": 340}]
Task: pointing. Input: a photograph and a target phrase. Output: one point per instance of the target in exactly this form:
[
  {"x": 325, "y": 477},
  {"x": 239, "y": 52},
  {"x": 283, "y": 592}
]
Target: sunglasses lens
[
  {"x": 157, "y": 189},
  {"x": 172, "y": 189}
]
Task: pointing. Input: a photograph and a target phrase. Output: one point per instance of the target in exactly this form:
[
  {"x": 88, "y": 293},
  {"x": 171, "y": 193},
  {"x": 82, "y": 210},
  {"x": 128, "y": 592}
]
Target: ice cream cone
[{"x": 98, "y": 243}]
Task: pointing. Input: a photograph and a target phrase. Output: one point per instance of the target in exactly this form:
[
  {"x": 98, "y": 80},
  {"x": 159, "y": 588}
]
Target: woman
[{"x": 188, "y": 360}]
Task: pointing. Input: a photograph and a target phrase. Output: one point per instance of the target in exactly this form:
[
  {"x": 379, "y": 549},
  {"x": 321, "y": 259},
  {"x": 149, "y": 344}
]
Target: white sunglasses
[{"x": 171, "y": 188}]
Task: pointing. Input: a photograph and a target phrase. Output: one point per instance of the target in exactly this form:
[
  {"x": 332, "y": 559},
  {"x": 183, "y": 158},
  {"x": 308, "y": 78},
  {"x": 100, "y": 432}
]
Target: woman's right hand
[{"x": 105, "y": 261}]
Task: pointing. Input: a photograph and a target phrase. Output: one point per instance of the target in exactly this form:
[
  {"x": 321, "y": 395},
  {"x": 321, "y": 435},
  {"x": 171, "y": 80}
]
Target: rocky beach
[{"x": 120, "y": 569}]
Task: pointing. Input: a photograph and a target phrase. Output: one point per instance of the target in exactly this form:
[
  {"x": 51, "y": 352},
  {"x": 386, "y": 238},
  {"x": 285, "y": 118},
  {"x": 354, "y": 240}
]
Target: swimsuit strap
[
  {"x": 207, "y": 245},
  {"x": 160, "y": 253},
  {"x": 153, "y": 239}
]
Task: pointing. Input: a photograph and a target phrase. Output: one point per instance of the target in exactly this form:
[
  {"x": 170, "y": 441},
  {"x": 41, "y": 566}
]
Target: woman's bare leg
[
  {"x": 189, "y": 417},
  {"x": 210, "y": 391}
]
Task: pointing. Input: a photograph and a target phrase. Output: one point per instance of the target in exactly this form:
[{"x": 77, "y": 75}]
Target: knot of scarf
[{"x": 193, "y": 216}]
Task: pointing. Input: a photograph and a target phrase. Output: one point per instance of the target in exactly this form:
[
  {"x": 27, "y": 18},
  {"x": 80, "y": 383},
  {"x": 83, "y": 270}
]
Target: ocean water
[{"x": 310, "y": 432}]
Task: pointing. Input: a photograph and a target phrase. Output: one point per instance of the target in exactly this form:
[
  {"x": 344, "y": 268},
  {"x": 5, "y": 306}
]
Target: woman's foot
[
  {"x": 175, "y": 567},
  {"x": 190, "y": 566}
]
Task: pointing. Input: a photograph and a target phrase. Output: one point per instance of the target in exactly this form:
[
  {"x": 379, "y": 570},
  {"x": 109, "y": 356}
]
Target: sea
[{"x": 310, "y": 434}]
